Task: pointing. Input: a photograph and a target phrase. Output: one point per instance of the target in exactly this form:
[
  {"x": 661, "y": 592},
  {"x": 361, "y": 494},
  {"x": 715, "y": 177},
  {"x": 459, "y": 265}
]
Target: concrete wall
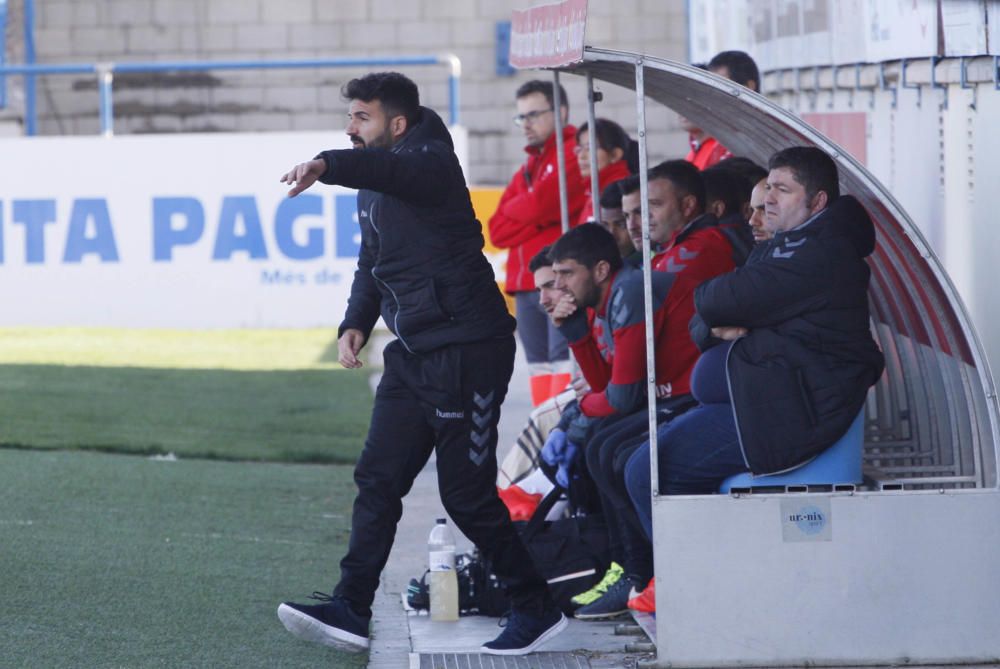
[{"x": 129, "y": 30}]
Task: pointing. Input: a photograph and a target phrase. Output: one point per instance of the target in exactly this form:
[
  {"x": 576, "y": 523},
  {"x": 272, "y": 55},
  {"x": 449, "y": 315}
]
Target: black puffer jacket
[
  {"x": 421, "y": 264},
  {"x": 801, "y": 375}
]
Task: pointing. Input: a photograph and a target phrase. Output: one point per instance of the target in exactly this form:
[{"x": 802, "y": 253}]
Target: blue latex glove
[
  {"x": 563, "y": 474},
  {"x": 555, "y": 444}
]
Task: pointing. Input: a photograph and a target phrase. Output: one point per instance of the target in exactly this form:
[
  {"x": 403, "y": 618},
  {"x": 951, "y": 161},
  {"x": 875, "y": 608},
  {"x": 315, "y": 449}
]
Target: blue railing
[
  {"x": 106, "y": 72},
  {"x": 3, "y": 51}
]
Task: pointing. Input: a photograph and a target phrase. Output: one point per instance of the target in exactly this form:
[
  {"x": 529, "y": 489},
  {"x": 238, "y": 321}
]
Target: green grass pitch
[{"x": 116, "y": 559}]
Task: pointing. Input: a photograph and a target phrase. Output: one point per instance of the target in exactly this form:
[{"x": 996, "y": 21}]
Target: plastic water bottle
[{"x": 444, "y": 581}]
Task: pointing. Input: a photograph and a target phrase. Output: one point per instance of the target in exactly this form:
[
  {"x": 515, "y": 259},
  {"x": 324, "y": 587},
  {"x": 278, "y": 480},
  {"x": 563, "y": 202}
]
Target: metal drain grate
[{"x": 479, "y": 661}]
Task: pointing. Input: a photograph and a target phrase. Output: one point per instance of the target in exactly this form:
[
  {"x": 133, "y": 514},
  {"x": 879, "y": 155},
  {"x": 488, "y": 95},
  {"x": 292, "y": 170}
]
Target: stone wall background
[{"x": 163, "y": 30}]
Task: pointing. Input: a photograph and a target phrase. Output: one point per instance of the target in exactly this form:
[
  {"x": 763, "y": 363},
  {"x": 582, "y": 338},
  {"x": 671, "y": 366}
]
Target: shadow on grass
[{"x": 307, "y": 416}]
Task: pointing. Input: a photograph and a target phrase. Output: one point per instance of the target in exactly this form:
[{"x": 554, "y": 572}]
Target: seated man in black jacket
[
  {"x": 421, "y": 267},
  {"x": 793, "y": 342}
]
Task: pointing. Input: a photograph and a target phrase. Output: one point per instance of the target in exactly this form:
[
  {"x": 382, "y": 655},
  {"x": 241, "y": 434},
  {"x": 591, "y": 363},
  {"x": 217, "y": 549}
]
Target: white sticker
[{"x": 806, "y": 519}]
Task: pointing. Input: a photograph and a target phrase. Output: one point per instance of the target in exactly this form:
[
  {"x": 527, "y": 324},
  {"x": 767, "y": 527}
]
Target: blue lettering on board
[
  {"x": 34, "y": 215},
  {"x": 290, "y": 209},
  {"x": 228, "y": 240},
  {"x": 348, "y": 229},
  {"x": 165, "y": 235},
  {"x": 79, "y": 243}
]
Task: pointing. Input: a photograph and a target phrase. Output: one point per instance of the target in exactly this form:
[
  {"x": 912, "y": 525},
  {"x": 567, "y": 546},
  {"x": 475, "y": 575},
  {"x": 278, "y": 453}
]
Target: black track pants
[{"x": 448, "y": 399}]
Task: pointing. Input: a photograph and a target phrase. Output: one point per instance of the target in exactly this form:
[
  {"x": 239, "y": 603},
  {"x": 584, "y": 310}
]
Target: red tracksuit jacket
[
  {"x": 610, "y": 174},
  {"x": 708, "y": 153},
  {"x": 701, "y": 250},
  {"x": 611, "y": 350},
  {"x": 527, "y": 217}
]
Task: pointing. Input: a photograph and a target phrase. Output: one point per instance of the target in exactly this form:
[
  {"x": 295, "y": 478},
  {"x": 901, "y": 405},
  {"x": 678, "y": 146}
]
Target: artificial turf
[
  {"x": 233, "y": 395},
  {"x": 111, "y": 560},
  {"x": 123, "y": 561}
]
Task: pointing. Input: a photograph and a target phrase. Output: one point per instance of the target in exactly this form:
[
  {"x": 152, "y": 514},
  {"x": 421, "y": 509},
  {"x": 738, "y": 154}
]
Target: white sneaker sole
[
  {"x": 542, "y": 638},
  {"x": 308, "y": 628},
  {"x": 600, "y": 616}
]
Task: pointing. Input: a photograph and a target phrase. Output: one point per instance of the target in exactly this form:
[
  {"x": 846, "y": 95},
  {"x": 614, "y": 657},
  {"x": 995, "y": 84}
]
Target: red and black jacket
[
  {"x": 610, "y": 344},
  {"x": 702, "y": 250}
]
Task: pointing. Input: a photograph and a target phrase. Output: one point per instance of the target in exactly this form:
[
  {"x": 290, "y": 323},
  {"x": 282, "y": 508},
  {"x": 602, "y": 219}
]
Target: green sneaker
[{"x": 612, "y": 576}]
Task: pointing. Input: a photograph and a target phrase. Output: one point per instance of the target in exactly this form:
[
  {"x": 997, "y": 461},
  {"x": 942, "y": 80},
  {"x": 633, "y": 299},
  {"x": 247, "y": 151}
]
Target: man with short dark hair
[
  {"x": 687, "y": 238},
  {"x": 545, "y": 280},
  {"x": 523, "y": 457},
  {"x": 528, "y": 218},
  {"x": 613, "y": 219},
  {"x": 603, "y": 318},
  {"x": 791, "y": 346},
  {"x": 737, "y": 66},
  {"x": 611, "y": 351},
  {"x": 421, "y": 268},
  {"x": 726, "y": 193}
]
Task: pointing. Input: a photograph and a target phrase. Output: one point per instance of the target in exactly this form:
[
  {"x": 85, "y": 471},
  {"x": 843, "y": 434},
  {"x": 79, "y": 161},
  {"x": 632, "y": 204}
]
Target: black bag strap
[{"x": 538, "y": 519}]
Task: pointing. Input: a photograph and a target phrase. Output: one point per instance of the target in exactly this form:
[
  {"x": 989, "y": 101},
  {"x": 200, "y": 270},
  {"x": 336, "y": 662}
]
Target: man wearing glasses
[{"x": 528, "y": 218}]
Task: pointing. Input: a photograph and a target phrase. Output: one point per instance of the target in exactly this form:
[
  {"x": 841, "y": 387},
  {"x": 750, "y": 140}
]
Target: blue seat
[{"x": 837, "y": 465}]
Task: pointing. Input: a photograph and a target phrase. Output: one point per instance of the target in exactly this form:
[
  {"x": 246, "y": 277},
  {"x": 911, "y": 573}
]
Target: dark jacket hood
[
  {"x": 847, "y": 218},
  {"x": 430, "y": 128}
]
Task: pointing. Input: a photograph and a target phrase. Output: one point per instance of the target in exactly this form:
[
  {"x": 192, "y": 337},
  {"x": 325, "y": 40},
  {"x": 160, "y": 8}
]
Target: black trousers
[
  {"x": 607, "y": 452},
  {"x": 449, "y": 400}
]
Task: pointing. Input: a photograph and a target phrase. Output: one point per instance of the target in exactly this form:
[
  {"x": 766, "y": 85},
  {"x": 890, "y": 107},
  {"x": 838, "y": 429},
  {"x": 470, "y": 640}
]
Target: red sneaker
[
  {"x": 521, "y": 504},
  {"x": 644, "y": 601}
]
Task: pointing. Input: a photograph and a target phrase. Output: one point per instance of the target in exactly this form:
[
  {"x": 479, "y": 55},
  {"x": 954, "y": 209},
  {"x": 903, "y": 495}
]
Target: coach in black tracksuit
[{"x": 421, "y": 268}]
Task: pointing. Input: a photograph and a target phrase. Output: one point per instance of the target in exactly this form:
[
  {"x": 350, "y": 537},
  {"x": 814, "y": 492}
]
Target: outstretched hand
[{"x": 304, "y": 175}]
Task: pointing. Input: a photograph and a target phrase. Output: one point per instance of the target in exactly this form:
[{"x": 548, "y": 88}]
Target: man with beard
[
  {"x": 685, "y": 237},
  {"x": 603, "y": 318},
  {"x": 422, "y": 269},
  {"x": 528, "y": 218}
]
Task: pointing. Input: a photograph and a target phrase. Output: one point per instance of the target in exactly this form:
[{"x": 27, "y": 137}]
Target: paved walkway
[{"x": 401, "y": 640}]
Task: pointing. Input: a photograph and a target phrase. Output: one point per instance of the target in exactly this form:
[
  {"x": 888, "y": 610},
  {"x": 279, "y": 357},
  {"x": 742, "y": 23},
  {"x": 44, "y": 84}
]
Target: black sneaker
[
  {"x": 524, "y": 632},
  {"x": 418, "y": 593},
  {"x": 331, "y": 623},
  {"x": 614, "y": 602}
]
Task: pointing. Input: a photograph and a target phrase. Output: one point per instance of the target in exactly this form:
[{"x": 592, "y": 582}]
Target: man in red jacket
[
  {"x": 736, "y": 66},
  {"x": 528, "y": 218},
  {"x": 687, "y": 239},
  {"x": 603, "y": 317}
]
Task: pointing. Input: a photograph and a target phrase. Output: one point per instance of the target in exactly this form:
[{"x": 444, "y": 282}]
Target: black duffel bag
[{"x": 570, "y": 553}]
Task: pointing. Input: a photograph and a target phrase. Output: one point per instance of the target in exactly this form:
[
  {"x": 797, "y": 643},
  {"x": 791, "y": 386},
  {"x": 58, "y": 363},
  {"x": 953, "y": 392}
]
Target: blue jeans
[{"x": 697, "y": 451}]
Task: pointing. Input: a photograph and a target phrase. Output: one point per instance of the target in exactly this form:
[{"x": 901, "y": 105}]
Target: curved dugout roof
[{"x": 932, "y": 420}]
